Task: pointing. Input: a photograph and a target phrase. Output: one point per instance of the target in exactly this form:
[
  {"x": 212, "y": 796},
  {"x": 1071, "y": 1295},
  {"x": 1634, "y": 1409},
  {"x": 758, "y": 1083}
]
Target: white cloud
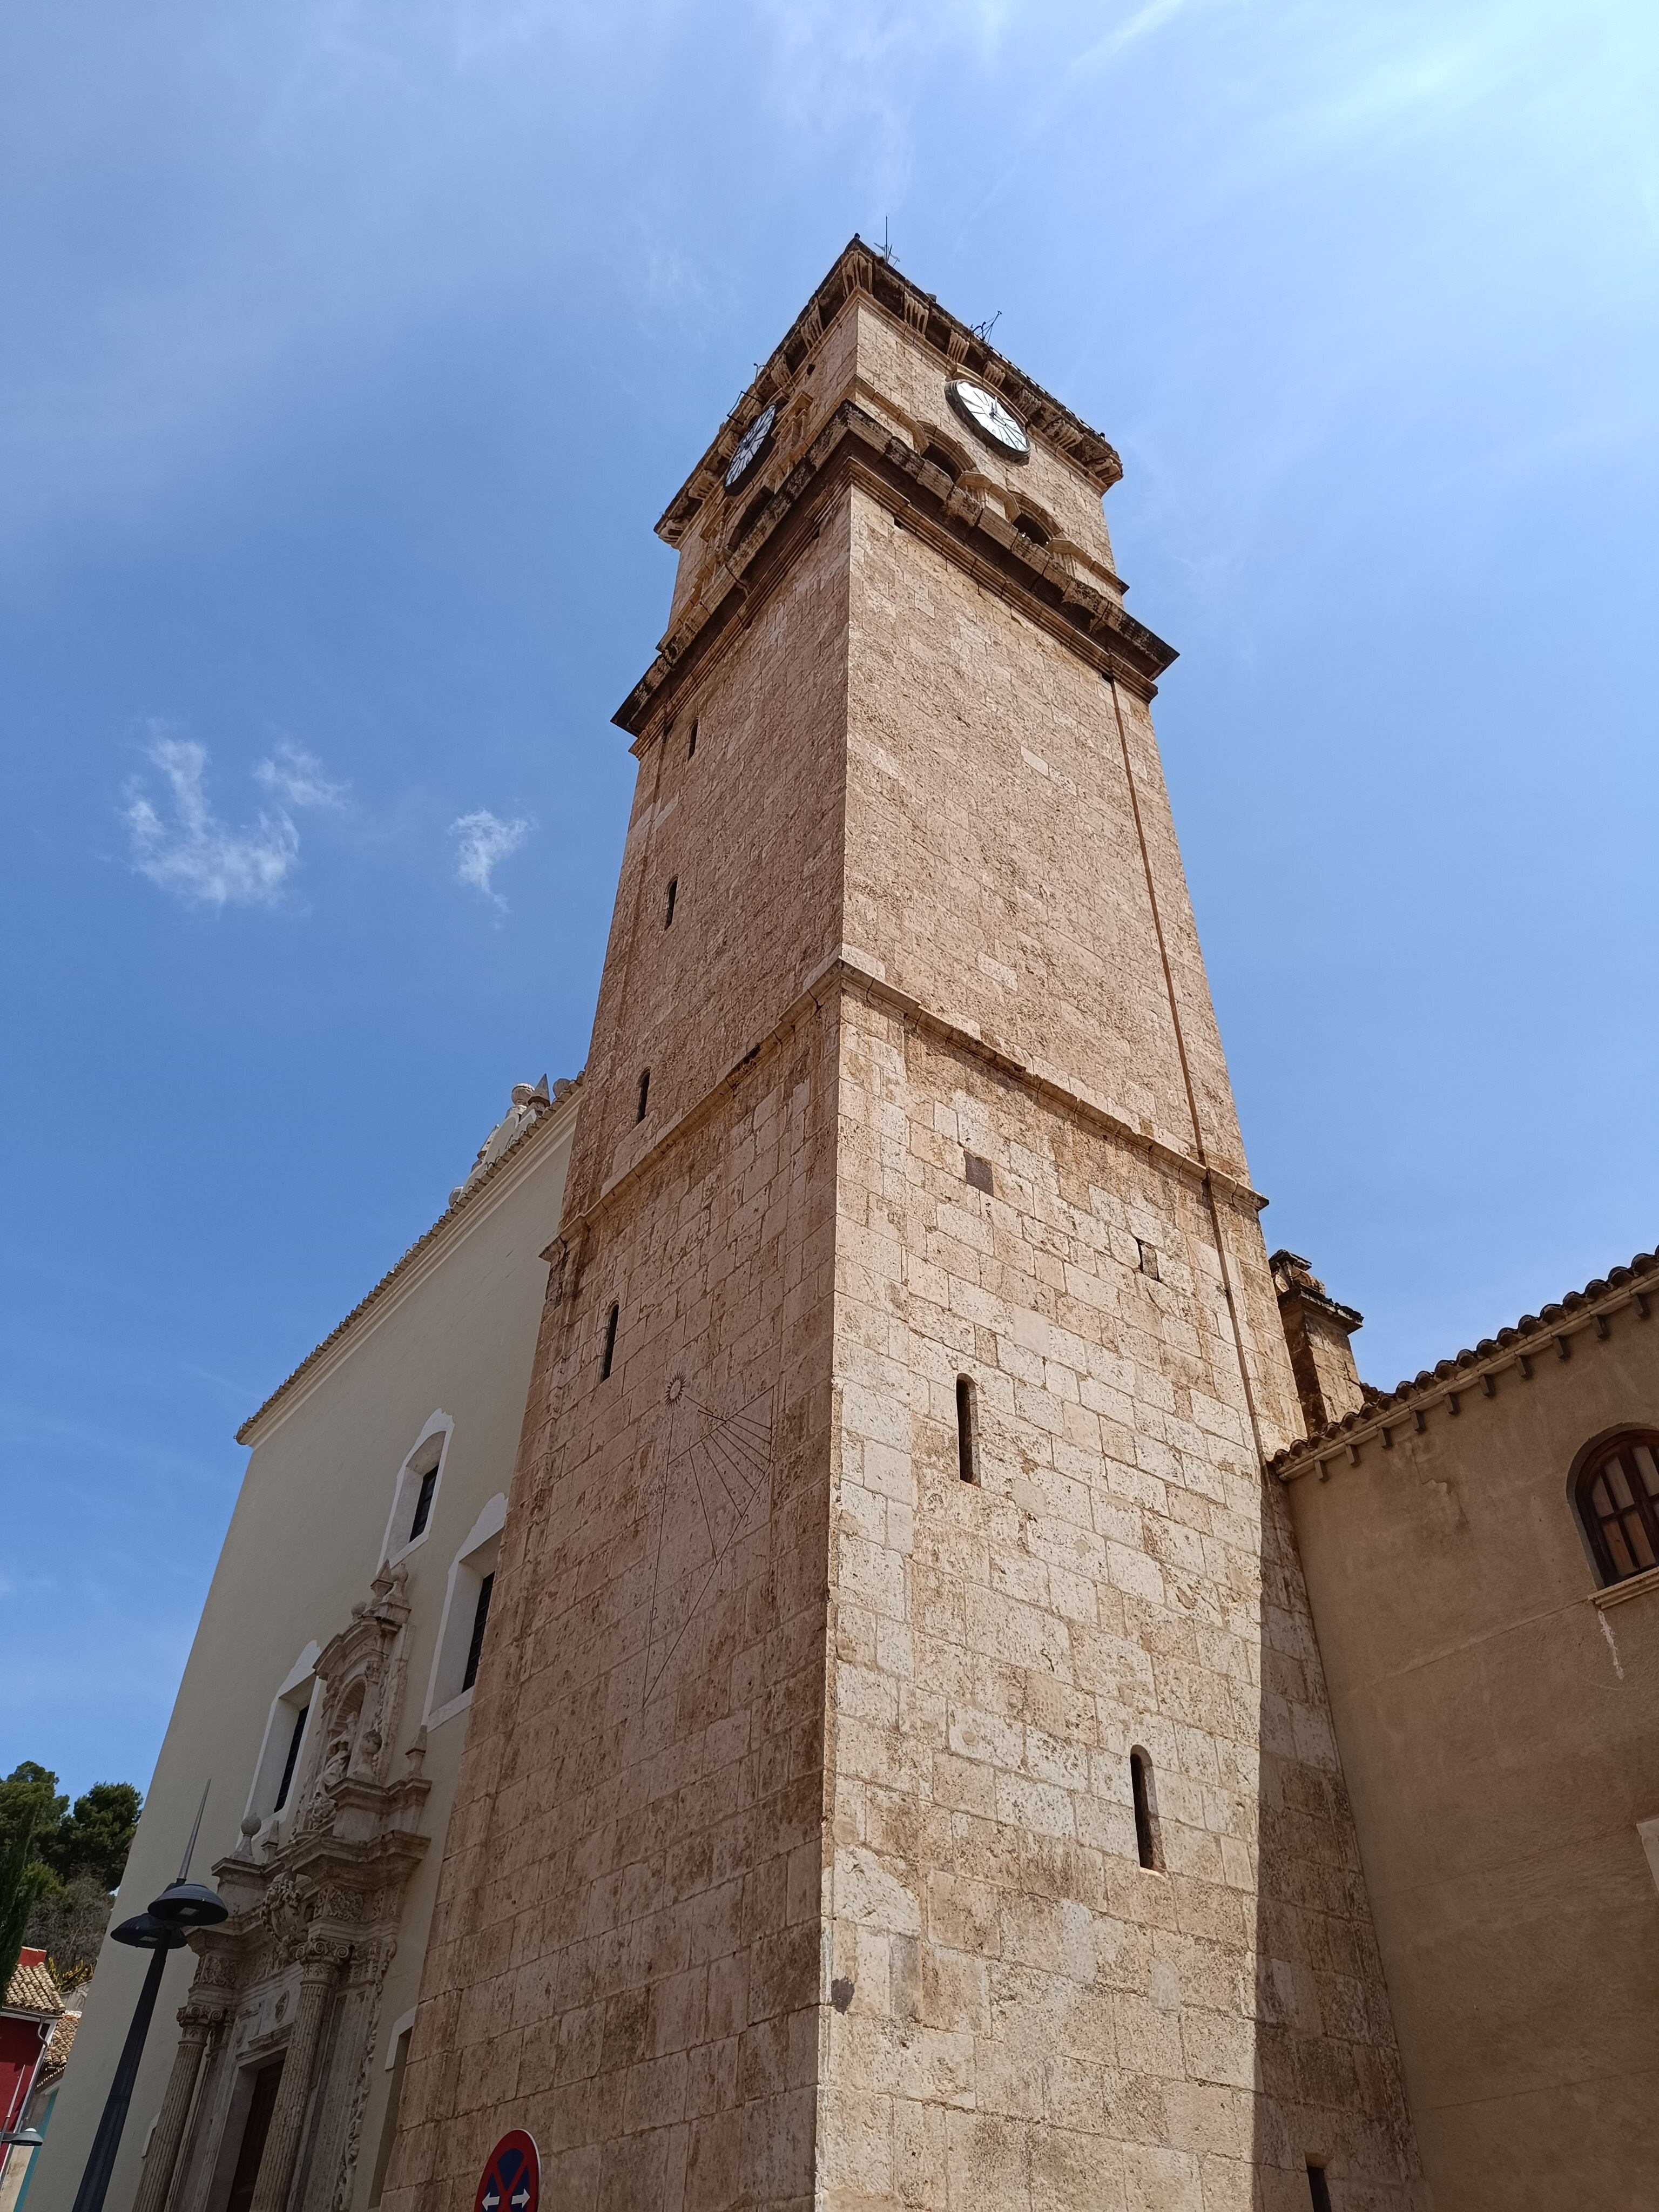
[
  {"x": 482, "y": 841},
  {"x": 191, "y": 852},
  {"x": 297, "y": 776}
]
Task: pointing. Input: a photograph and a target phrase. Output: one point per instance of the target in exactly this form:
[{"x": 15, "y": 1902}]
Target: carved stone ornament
[{"x": 319, "y": 1910}]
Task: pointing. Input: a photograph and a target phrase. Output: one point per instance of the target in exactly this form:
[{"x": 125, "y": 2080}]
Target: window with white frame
[
  {"x": 465, "y": 1615},
  {"x": 416, "y": 1491},
  {"x": 276, "y": 1774}
]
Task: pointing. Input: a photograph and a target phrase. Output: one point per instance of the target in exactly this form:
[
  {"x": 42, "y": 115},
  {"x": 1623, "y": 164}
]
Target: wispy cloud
[
  {"x": 182, "y": 845},
  {"x": 297, "y": 776},
  {"x": 482, "y": 841},
  {"x": 1069, "y": 81},
  {"x": 830, "y": 63}
]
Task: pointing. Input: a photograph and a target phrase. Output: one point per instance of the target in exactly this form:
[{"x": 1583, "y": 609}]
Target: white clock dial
[
  {"x": 985, "y": 413},
  {"x": 748, "y": 450}
]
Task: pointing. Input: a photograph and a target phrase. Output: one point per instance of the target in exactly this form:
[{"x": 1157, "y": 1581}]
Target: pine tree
[
  {"x": 58, "y": 1867},
  {"x": 29, "y": 1804}
]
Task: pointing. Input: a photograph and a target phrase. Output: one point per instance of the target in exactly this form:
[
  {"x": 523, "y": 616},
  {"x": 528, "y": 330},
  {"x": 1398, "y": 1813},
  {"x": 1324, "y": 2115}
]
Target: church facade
[{"x": 980, "y": 1707}]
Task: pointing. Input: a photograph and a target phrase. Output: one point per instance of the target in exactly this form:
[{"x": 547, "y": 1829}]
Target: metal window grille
[{"x": 1618, "y": 1503}]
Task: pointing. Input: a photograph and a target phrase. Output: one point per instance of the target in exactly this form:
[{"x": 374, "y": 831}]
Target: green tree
[
  {"x": 58, "y": 1867},
  {"x": 95, "y": 1838},
  {"x": 30, "y": 1810}
]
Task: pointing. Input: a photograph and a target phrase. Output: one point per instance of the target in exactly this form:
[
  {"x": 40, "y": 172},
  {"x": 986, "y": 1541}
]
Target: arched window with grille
[{"x": 1618, "y": 1496}]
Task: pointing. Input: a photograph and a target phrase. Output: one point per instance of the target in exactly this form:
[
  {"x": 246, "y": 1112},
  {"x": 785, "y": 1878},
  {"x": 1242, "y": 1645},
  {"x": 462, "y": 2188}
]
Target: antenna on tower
[
  {"x": 885, "y": 249},
  {"x": 982, "y": 331}
]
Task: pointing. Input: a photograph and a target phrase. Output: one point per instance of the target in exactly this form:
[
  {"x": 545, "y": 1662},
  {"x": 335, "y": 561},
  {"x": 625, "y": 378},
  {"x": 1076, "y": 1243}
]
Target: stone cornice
[
  {"x": 959, "y": 523},
  {"x": 1294, "y": 1278},
  {"x": 474, "y": 1205},
  {"x": 1474, "y": 1374},
  {"x": 846, "y": 969},
  {"x": 860, "y": 273}
]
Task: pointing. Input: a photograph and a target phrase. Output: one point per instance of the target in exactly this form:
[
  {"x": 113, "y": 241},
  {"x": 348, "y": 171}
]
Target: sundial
[{"x": 716, "y": 1488}]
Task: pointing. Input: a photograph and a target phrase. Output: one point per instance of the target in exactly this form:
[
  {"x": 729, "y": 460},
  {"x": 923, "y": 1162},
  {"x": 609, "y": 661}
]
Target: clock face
[
  {"x": 984, "y": 412},
  {"x": 748, "y": 452}
]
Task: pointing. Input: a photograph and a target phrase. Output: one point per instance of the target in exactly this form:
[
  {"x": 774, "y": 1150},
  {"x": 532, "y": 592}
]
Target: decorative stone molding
[
  {"x": 1317, "y": 1332},
  {"x": 957, "y": 520},
  {"x": 298, "y": 1965},
  {"x": 1548, "y": 1334},
  {"x": 859, "y": 273}
]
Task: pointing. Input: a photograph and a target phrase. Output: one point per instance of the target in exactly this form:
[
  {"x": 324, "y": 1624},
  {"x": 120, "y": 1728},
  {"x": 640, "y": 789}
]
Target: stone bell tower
[{"x": 901, "y": 1772}]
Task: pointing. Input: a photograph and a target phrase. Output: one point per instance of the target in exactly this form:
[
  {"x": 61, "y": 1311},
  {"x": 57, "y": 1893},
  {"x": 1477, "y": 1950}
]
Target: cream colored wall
[
  {"x": 1497, "y": 1730},
  {"x": 303, "y": 1543}
]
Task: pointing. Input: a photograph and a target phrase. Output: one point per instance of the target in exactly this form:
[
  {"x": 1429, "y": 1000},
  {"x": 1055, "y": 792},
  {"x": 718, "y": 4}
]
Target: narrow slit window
[
  {"x": 645, "y": 1093},
  {"x": 423, "y": 1502},
  {"x": 1140, "y": 1784},
  {"x": 691, "y": 741},
  {"x": 668, "y": 910},
  {"x": 610, "y": 1342},
  {"x": 967, "y": 1430},
  {"x": 1319, "y": 2190},
  {"x": 292, "y": 1760},
  {"x": 480, "y": 1622}
]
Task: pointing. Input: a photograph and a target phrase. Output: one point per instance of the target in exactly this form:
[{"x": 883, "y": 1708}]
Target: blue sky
[{"x": 348, "y": 350}]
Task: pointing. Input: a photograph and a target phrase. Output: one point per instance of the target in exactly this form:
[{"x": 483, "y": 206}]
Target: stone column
[
  {"x": 320, "y": 1964},
  {"x": 197, "y": 2024}
]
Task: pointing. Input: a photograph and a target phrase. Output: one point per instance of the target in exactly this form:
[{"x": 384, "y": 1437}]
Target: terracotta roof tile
[
  {"x": 31, "y": 1988},
  {"x": 58, "y": 2049},
  {"x": 1617, "y": 1287}
]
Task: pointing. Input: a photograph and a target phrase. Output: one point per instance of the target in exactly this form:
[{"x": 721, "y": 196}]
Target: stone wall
[
  {"x": 1495, "y": 1712},
  {"x": 625, "y": 1956},
  {"x": 1030, "y": 2018},
  {"x": 993, "y": 868},
  {"x": 797, "y": 1862},
  {"x": 749, "y": 828}
]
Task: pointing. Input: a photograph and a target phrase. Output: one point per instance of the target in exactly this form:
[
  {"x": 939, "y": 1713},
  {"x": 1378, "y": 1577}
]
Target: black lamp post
[{"x": 182, "y": 1906}]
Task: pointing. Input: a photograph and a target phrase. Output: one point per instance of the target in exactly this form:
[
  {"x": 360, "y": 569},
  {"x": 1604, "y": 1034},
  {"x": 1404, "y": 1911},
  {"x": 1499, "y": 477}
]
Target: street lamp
[{"x": 182, "y": 1906}]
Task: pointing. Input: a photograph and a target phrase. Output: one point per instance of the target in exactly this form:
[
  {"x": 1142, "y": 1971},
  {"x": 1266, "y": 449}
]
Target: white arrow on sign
[
  {"x": 492, "y": 2200},
  {"x": 520, "y": 2197}
]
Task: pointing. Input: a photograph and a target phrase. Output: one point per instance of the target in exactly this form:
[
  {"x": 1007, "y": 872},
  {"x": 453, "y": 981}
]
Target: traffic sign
[{"x": 512, "y": 2176}]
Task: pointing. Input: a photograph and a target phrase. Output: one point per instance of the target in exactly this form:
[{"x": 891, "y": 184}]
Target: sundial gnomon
[{"x": 715, "y": 1488}]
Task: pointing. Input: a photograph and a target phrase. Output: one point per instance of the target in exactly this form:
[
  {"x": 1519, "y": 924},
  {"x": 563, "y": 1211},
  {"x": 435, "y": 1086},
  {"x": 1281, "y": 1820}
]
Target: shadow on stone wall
[{"x": 1329, "y": 2090}]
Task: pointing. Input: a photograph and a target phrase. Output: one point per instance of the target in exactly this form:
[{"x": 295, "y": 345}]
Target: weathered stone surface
[
  {"x": 798, "y": 1859},
  {"x": 1495, "y": 1710}
]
